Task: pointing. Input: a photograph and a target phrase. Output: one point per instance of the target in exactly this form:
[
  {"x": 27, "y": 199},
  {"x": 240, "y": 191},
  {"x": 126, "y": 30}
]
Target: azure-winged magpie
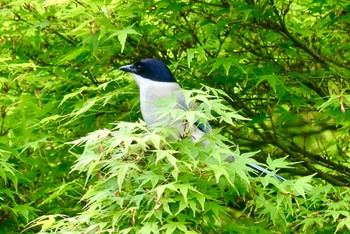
[{"x": 156, "y": 82}]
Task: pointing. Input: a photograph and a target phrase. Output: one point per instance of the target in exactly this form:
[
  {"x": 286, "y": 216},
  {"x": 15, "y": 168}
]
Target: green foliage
[
  {"x": 140, "y": 182},
  {"x": 280, "y": 72}
]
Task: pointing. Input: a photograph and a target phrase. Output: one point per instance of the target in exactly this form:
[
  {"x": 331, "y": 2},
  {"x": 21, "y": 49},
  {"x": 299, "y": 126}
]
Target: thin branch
[{"x": 297, "y": 42}]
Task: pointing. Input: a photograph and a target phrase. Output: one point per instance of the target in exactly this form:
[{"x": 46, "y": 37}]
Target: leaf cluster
[{"x": 280, "y": 72}]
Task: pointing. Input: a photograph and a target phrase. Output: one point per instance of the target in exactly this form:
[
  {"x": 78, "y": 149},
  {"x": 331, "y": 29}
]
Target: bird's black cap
[{"x": 152, "y": 69}]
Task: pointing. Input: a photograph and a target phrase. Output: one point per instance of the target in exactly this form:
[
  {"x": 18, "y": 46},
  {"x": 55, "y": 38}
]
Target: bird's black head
[{"x": 152, "y": 69}]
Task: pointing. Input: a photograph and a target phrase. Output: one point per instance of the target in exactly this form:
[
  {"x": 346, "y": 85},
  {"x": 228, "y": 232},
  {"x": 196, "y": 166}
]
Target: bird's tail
[{"x": 265, "y": 171}]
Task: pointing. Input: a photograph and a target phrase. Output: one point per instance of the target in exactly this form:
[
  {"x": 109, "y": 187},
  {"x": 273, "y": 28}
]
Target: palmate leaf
[
  {"x": 172, "y": 226},
  {"x": 77, "y": 93},
  {"x": 122, "y": 35},
  {"x": 334, "y": 101},
  {"x": 8, "y": 170},
  {"x": 149, "y": 227},
  {"x": 72, "y": 55},
  {"x": 279, "y": 163},
  {"x": 273, "y": 80},
  {"x": 167, "y": 154},
  {"x": 191, "y": 53},
  {"x": 344, "y": 222},
  {"x": 91, "y": 138},
  {"x": 219, "y": 172},
  {"x": 122, "y": 173},
  {"x": 48, "y": 3},
  {"x": 302, "y": 186},
  {"x": 227, "y": 63}
]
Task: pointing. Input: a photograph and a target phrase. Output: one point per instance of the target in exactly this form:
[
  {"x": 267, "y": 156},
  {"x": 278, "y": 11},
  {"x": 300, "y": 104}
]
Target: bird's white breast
[{"x": 151, "y": 93}]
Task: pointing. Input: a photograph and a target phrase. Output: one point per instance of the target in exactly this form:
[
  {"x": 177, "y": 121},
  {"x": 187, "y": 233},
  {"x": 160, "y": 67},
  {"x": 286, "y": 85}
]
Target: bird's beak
[{"x": 128, "y": 68}]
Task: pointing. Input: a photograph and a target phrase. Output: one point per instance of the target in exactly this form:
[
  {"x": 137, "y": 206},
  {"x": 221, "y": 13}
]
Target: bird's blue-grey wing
[{"x": 204, "y": 127}]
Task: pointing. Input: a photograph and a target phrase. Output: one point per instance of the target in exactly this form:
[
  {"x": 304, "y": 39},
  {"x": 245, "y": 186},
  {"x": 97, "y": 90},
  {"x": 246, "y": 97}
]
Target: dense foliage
[{"x": 271, "y": 76}]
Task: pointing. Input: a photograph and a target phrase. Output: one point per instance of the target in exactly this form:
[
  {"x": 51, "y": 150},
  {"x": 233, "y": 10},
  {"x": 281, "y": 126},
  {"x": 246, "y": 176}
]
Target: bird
[{"x": 156, "y": 82}]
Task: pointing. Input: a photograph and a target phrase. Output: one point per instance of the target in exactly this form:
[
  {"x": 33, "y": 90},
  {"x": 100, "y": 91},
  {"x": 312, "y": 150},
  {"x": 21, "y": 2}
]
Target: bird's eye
[{"x": 138, "y": 67}]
